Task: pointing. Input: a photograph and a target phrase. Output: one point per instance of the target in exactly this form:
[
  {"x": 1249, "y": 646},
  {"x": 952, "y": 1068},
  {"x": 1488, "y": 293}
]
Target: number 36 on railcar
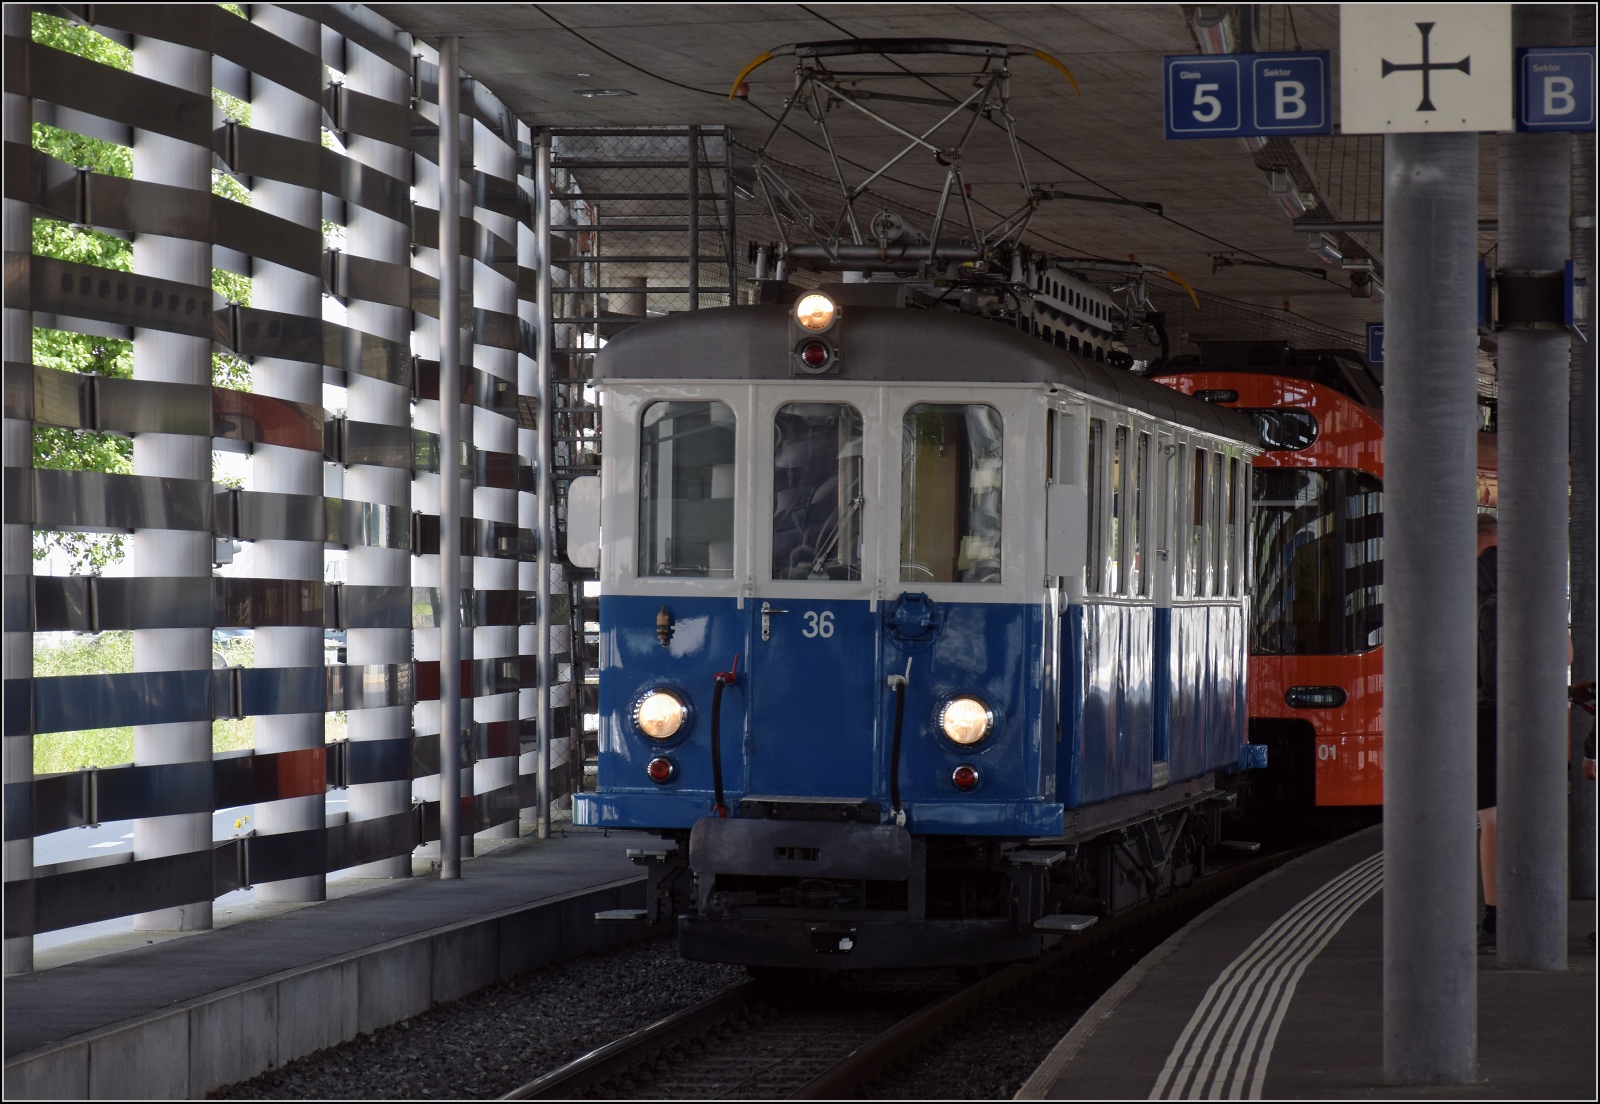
[{"x": 921, "y": 641}]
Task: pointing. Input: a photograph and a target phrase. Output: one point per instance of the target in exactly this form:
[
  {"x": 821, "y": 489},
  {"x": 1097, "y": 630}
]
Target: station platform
[
  {"x": 178, "y": 1018},
  {"x": 1276, "y": 993}
]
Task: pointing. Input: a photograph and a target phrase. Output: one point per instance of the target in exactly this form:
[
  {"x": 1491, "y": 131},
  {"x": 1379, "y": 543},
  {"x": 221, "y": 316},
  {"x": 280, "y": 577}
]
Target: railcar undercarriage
[{"x": 872, "y": 895}]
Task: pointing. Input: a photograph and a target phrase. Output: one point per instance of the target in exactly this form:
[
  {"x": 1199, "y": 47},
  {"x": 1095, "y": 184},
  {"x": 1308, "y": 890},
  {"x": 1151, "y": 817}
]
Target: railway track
[{"x": 827, "y": 1037}]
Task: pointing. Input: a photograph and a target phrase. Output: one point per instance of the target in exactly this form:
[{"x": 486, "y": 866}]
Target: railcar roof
[{"x": 890, "y": 345}]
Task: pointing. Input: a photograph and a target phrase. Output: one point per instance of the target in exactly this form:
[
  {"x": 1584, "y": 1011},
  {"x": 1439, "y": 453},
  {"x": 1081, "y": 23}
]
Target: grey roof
[{"x": 889, "y": 345}]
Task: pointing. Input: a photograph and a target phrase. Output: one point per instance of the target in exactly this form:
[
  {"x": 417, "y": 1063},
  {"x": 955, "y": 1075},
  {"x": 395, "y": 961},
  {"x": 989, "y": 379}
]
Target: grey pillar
[
  {"x": 172, "y": 358},
  {"x": 18, "y": 540},
  {"x": 527, "y": 501},
  {"x": 1534, "y": 364},
  {"x": 546, "y": 512},
  {"x": 1581, "y": 826},
  {"x": 1430, "y": 963},
  {"x": 279, "y": 110},
  {"x": 370, "y": 234},
  {"x": 450, "y": 690}
]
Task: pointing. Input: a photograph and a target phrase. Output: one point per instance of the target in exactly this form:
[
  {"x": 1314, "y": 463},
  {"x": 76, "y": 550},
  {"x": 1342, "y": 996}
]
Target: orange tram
[{"x": 1316, "y": 547}]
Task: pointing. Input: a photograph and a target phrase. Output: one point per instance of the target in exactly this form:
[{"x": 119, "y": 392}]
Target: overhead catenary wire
[
  {"x": 1056, "y": 160},
  {"x": 1032, "y": 231}
]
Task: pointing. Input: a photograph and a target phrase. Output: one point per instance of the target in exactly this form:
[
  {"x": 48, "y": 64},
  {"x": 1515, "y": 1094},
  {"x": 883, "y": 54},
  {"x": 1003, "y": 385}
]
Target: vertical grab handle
[
  {"x": 897, "y": 683},
  {"x": 721, "y": 680}
]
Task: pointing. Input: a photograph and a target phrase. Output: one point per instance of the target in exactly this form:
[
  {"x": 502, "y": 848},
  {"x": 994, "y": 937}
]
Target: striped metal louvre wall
[{"x": 336, "y": 409}]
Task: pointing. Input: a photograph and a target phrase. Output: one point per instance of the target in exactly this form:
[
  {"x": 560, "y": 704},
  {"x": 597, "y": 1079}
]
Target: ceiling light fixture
[{"x": 596, "y": 93}]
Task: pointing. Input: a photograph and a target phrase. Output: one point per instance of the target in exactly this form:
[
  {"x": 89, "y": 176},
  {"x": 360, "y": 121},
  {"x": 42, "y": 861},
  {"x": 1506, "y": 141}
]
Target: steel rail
[
  {"x": 605, "y": 1062},
  {"x": 926, "y": 1024},
  {"x": 877, "y": 1054}
]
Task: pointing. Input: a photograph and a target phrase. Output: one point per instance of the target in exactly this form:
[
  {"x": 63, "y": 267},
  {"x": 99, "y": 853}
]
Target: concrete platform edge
[
  {"x": 1040, "y": 1081},
  {"x": 191, "y": 1048}
]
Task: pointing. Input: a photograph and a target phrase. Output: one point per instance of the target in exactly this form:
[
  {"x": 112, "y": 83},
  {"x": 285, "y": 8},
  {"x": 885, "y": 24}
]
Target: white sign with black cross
[{"x": 1414, "y": 68}]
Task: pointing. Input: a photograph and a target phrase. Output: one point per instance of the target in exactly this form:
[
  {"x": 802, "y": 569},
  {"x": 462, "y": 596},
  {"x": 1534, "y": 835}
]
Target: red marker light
[
  {"x": 814, "y": 353},
  {"x": 661, "y": 770},
  {"x": 964, "y": 777}
]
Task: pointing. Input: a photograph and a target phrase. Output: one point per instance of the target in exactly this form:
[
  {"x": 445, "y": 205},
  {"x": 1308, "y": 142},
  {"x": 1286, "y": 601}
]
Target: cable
[
  {"x": 1052, "y": 158},
  {"x": 788, "y": 127}
]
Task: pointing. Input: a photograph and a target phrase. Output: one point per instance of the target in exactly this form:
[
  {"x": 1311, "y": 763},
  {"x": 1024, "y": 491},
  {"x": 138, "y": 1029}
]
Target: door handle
[{"x": 766, "y": 619}]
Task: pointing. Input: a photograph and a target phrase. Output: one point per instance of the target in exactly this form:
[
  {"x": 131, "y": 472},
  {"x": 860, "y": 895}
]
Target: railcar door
[{"x": 814, "y": 637}]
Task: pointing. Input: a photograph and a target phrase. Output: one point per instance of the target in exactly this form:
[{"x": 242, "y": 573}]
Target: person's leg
[{"x": 1488, "y": 844}]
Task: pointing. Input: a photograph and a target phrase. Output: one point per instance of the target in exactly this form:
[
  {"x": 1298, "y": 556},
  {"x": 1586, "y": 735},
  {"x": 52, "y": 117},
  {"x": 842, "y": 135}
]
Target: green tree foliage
[
  {"x": 82, "y": 451},
  {"x": 63, "y": 34}
]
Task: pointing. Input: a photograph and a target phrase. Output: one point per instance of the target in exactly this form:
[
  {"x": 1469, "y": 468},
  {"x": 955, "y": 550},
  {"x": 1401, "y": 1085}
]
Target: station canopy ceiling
[{"x": 1220, "y": 226}]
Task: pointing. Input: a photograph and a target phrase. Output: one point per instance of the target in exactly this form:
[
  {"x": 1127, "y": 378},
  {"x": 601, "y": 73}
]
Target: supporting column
[
  {"x": 450, "y": 630},
  {"x": 370, "y": 234},
  {"x": 18, "y": 546},
  {"x": 546, "y": 514},
  {"x": 279, "y": 110},
  {"x": 1532, "y": 610},
  {"x": 1430, "y": 883},
  {"x": 1581, "y": 827},
  {"x": 172, "y": 358},
  {"x": 527, "y": 501},
  {"x": 496, "y": 766}
]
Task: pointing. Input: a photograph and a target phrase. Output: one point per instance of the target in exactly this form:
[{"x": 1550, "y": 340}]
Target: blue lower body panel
[
  {"x": 1113, "y": 703},
  {"x": 1206, "y": 688},
  {"x": 625, "y": 810},
  {"x": 1012, "y": 818}
]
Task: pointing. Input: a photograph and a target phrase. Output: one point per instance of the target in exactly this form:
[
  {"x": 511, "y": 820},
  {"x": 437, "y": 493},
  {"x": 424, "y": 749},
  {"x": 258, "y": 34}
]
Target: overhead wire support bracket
[{"x": 818, "y": 89}]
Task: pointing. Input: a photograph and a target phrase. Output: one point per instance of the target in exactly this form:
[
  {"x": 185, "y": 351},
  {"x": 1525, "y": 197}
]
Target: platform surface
[
  {"x": 1276, "y": 993},
  {"x": 53, "y": 1005}
]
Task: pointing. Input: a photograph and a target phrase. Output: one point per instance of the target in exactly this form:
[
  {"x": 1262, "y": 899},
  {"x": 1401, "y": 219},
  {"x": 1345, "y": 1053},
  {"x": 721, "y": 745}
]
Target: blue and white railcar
[{"x": 920, "y": 640}]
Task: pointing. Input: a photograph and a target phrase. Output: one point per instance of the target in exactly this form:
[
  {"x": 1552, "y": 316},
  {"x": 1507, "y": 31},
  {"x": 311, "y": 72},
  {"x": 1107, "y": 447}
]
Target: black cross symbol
[{"x": 1427, "y": 67}]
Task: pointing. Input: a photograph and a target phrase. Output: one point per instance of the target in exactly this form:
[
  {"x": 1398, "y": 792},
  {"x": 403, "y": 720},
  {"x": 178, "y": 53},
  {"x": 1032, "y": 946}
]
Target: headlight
[
  {"x": 966, "y": 720},
  {"x": 815, "y": 312},
  {"x": 660, "y": 714}
]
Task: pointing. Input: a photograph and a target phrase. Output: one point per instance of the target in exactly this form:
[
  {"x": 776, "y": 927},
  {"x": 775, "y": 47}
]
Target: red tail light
[
  {"x": 661, "y": 770},
  {"x": 815, "y": 354},
  {"x": 964, "y": 777}
]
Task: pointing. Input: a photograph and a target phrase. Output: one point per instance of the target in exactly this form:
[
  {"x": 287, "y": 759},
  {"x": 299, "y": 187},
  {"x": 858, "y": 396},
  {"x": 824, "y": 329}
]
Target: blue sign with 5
[{"x": 1247, "y": 95}]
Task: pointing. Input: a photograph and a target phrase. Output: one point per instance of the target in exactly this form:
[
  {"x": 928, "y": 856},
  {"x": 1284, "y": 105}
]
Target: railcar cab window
[
  {"x": 816, "y": 491},
  {"x": 950, "y": 467},
  {"x": 686, "y": 458}
]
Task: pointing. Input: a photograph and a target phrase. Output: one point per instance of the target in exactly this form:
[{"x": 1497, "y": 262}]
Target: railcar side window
[
  {"x": 1231, "y": 520},
  {"x": 816, "y": 491},
  {"x": 1116, "y": 561},
  {"x": 1219, "y": 546},
  {"x": 1094, "y": 570},
  {"x": 1197, "y": 565},
  {"x": 686, "y": 490},
  {"x": 1177, "y": 535},
  {"x": 1139, "y": 574},
  {"x": 950, "y": 469}
]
